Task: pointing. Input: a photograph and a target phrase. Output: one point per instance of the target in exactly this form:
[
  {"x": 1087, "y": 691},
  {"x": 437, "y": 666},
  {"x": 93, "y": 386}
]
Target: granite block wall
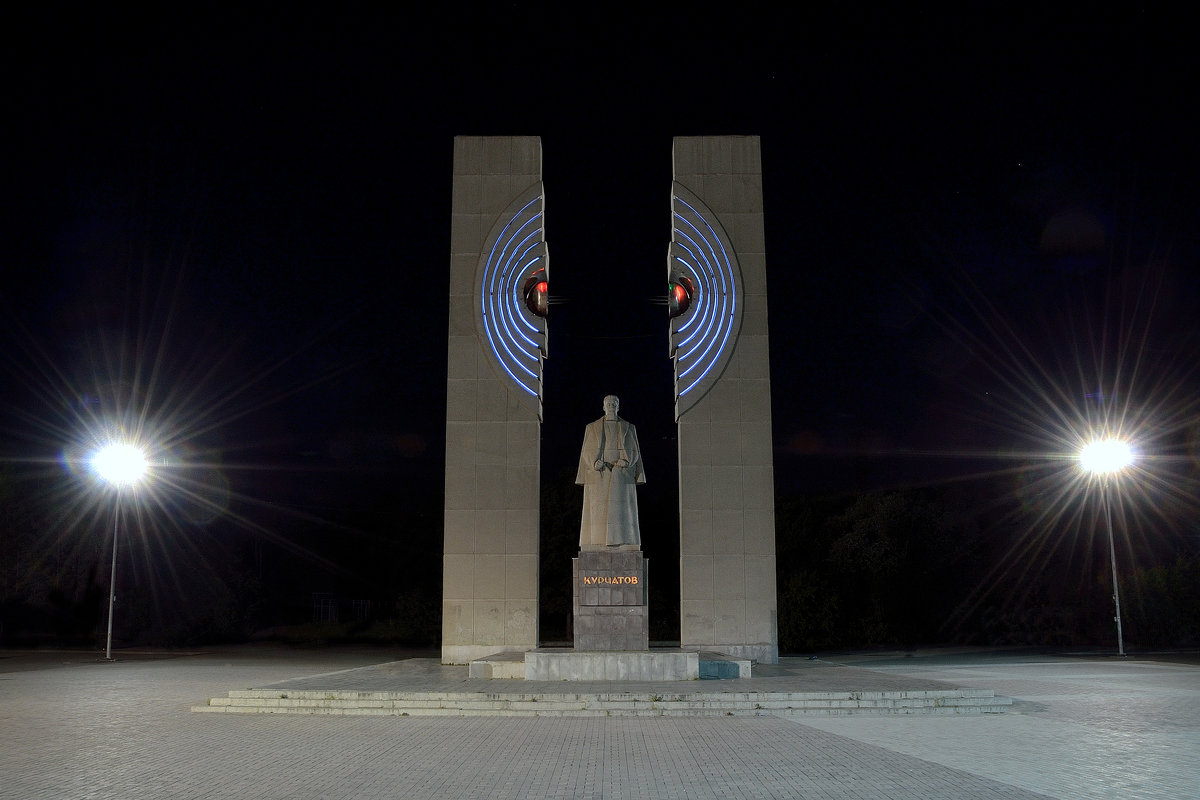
[
  {"x": 726, "y": 473},
  {"x": 490, "y": 561}
]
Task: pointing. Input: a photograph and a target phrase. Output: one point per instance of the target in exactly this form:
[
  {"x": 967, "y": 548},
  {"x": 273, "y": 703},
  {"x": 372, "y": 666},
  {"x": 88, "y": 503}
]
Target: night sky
[{"x": 231, "y": 228}]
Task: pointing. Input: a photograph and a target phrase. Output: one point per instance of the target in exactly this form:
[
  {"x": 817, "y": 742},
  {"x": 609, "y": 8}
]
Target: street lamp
[
  {"x": 1104, "y": 458},
  {"x": 122, "y": 465}
]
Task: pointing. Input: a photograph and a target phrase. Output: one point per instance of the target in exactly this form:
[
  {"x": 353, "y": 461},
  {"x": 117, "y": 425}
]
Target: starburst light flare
[
  {"x": 122, "y": 465},
  {"x": 1105, "y": 456}
]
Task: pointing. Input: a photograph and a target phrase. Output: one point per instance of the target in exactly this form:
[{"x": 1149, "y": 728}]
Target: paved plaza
[{"x": 73, "y": 726}]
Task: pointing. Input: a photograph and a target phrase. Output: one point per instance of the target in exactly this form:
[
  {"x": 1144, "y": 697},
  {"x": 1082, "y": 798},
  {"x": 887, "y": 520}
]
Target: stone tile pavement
[
  {"x": 1081, "y": 728},
  {"x": 72, "y": 726}
]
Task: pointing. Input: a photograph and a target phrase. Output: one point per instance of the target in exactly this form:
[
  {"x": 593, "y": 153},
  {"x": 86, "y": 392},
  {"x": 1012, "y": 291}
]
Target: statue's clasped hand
[{"x": 602, "y": 465}]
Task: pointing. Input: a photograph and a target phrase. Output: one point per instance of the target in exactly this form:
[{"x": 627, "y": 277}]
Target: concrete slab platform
[
  {"x": 1080, "y": 729},
  {"x": 508, "y": 664},
  {"x": 550, "y": 664},
  {"x": 623, "y": 665}
]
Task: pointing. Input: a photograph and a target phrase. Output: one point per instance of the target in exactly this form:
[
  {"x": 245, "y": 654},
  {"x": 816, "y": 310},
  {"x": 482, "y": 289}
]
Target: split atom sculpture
[{"x": 718, "y": 340}]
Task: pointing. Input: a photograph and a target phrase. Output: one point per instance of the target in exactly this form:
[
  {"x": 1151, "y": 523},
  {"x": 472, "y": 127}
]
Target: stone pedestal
[
  {"x": 611, "y": 600},
  {"x": 647, "y": 665}
]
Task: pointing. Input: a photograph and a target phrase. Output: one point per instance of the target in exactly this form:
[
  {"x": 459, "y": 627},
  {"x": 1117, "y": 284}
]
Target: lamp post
[
  {"x": 122, "y": 465},
  {"x": 1103, "y": 458}
]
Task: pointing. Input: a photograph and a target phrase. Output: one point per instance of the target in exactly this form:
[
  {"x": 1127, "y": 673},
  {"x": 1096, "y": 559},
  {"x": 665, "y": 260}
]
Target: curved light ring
[
  {"x": 701, "y": 319},
  {"x": 527, "y": 269},
  {"x": 708, "y": 320},
  {"x": 503, "y": 334},
  {"x": 511, "y": 315},
  {"x": 713, "y": 319},
  {"x": 711, "y": 315},
  {"x": 701, "y": 290},
  {"x": 496, "y": 336},
  {"x": 695, "y": 299},
  {"x": 509, "y": 309},
  {"x": 500, "y": 311},
  {"x": 514, "y": 246},
  {"x": 712, "y": 363},
  {"x": 516, "y": 302},
  {"x": 704, "y": 313},
  {"x": 706, "y": 287},
  {"x": 713, "y": 264},
  {"x": 506, "y": 260},
  {"x": 702, "y": 338},
  {"x": 512, "y": 307},
  {"x": 539, "y": 261},
  {"x": 707, "y": 238}
]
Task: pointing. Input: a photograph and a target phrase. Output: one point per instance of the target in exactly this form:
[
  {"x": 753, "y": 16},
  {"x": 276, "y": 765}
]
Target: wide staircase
[{"x": 608, "y": 704}]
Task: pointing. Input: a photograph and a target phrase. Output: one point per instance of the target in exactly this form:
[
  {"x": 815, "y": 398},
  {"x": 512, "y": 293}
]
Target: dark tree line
[
  {"x": 936, "y": 566},
  {"x": 897, "y": 568}
]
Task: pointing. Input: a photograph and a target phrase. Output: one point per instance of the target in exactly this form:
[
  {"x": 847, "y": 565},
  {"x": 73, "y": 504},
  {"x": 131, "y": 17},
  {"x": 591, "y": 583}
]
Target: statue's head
[{"x": 611, "y": 404}]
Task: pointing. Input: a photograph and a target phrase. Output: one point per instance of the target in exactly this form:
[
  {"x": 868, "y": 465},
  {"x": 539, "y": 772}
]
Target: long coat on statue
[{"x": 610, "y": 515}]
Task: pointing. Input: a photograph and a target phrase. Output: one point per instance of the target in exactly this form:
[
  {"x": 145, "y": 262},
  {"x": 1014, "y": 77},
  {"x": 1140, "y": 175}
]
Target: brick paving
[
  {"x": 74, "y": 727},
  {"x": 1081, "y": 728}
]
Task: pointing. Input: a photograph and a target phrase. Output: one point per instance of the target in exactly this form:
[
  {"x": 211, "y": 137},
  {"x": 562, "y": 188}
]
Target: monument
[
  {"x": 718, "y": 341},
  {"x": 610, "y": 597},
  {"x": 717, "y": 280},
  {"x": 496, "y": 347},
  {"x": 610, "y": 468}
]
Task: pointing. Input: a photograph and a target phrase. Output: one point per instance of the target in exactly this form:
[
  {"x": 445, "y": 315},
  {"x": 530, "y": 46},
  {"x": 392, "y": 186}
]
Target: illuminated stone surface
[
  {"x": 723, "y": 407},
  {"x": 611, "y": 600},
  {"x": 564, "y": 665},
  {"x": 493, "y": 401},
  {"x": 723, "y": 401},
  {"x": 610, "y": 469}
]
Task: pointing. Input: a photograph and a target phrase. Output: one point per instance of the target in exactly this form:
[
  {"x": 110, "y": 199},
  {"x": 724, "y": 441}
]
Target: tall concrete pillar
[
  {"x": 498, "y": 269},
  {"x": 717, "y": 266}
]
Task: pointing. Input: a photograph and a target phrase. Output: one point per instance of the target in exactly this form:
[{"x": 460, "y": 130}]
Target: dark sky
[{"x": 977, "y": 226}]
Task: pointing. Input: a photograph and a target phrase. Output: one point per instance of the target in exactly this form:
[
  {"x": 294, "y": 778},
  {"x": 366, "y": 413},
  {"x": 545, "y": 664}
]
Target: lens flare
[
  {"x": 122, "y": 465},
  {"x": 1105, "y": 456}
]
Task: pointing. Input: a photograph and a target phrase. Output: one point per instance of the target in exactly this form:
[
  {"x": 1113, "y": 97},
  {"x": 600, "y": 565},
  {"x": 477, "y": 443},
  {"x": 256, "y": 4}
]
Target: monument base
[
  {"x": 556, "y": 664},
  {"x": 611, "y": 600},
  {"x": 574, "y": 665}
]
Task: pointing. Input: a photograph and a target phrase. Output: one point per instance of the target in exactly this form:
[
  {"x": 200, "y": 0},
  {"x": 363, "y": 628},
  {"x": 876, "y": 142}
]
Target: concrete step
[
  {"x": 660, "y": 664},
  {"x": 697, "y": 703}
]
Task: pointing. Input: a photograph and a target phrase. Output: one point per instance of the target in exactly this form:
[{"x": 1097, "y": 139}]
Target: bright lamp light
[
  {"x": 120, "y": 464},
  {"x": 1105, "y": 455}
]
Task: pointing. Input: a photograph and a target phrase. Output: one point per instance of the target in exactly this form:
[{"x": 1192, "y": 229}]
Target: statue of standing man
[{"x": 610, "y": 467}]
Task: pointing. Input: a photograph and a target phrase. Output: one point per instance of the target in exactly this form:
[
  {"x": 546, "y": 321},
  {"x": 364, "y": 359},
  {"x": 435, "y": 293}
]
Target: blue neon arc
[
  {"x": 514, "y": 248},
  {"x": 701, "y": 337},
  {"x": 514, "y": 286},
  {"x": 715, "y": 325},
  {"x": 696, "y": 382},
  {"x": 712, "y": 315},
  {"x": 500, "y": 267},
  {"x": 497, "y": 321},
  {"x": 710, "y": 239},
  {"x": 508, "y": 319},
  {"x": 701, "y": 359},
  {"x": 697, "y": 288},
  {"x": 517, "y": 289},
  {"x": 705, "y": 309}
]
